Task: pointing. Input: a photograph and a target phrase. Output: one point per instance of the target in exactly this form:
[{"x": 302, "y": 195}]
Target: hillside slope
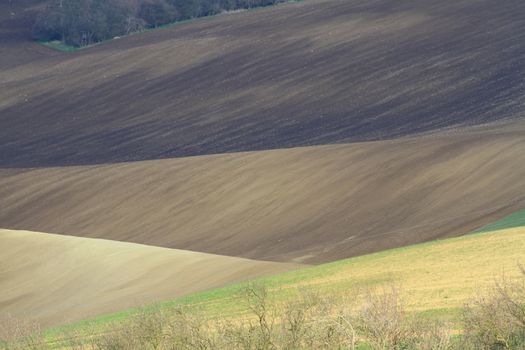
[
  {"x": 313, "y": 204},
  {"x": 58, "y": 279},
  {"x": 16, "y": 46},
  {"x": 435, "y": 278},
  {"x": 308, "y": 73}
]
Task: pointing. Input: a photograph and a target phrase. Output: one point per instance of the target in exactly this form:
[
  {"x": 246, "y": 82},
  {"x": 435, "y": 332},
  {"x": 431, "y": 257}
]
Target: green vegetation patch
[
  {"x": 59, "y": 46},
  {"x": 516, "y": 219}
]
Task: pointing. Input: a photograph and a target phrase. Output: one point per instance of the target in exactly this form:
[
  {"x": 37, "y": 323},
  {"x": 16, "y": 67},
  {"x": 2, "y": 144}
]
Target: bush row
[
  {"x": 84, "y": 22},
  {"x": 495, "y": 320}
]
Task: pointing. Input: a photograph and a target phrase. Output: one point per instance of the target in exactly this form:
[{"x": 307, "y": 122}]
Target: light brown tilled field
[
  {"x": 313, "y": 204},
  {"x": 59, "y": 279}
]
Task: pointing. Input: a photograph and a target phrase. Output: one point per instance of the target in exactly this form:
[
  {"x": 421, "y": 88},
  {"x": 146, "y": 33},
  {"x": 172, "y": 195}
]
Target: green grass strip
[{"x": 516, "y": 219}]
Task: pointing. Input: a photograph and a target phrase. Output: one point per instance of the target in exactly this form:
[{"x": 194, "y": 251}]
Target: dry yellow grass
[
  {"x": 436, "y": 278},
  {"x": 57, "y": 279},
  {"x": 436, "y": 275},
  {"x": 443, "y": 274}
]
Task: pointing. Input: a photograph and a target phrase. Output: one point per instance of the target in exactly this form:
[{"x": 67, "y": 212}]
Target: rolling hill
[
  {"x": 225, "y": 148},
  {"x": 323, "y": 72},
  {"x": 435, "y": 279},
  {"x": 58, "y": 279},
  {"x": 312, "y": 204}
]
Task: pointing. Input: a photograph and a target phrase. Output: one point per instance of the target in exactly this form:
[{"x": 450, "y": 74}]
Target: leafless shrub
[
  {"x": 76, "y": 340},
  {"x": 381, "y": 319},
  {"x": 20, "y": 334},
  {"x": 189, "y": 329},
  {"x": 496, "y": 320},
  {"x": 308, "y": 322},
  {"x": 336, "y": 331},
  {"x": 296, "y": 322},
  {"x": 115, "y": 340},
  {"x": 383, "y": 323},
  {"x": 429, "y": 335},
  {"x": 258, "y": 331},
  {"x": 145, "y": 330}
]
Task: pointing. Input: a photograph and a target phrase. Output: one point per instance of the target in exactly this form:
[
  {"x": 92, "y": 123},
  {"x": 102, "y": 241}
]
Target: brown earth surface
[
  {"x": 58, "y": 279},
  {"x": 308, "y": 73},
  {"x": 16, "y": 46},
  {"x": 318, "y": 72},
  {"x": 311, "y": 204}
]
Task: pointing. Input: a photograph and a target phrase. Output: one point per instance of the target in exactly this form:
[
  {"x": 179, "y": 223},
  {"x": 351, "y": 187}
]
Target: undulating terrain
[
  {"x": 229, "y": 147},
  {"x": 58, "y": 279},
  {"x": 311, "y": 205},
  {"x": 314, "y": 72},
  {"x": 435, "y": 278}
]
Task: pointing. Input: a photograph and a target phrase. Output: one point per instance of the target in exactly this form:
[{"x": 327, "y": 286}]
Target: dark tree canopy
[{"x": 83, "y": 22}]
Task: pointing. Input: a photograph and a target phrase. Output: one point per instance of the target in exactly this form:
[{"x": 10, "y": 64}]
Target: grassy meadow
[{"x": 435, "y": 278}]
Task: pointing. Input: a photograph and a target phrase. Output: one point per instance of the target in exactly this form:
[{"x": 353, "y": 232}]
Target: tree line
[{"x": 84, "y": 22}]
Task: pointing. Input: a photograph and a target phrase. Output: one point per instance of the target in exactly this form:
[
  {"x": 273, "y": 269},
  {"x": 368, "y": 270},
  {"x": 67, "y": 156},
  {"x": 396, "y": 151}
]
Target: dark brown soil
[{"x": 308, "y": 73}]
